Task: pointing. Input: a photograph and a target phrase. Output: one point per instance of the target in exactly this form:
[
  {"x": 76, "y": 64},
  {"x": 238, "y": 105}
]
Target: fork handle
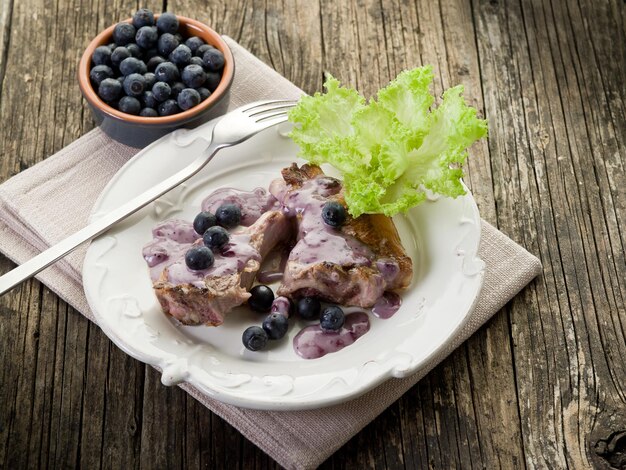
[{"x": 54, "y": 253}]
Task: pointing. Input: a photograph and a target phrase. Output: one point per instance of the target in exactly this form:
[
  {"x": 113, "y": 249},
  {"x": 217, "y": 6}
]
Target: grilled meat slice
[{"x": 352, "y": 265}]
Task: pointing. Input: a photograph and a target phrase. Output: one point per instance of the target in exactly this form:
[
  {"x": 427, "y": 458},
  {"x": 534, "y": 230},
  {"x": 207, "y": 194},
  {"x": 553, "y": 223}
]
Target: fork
[{"x": 232, "y": 129}]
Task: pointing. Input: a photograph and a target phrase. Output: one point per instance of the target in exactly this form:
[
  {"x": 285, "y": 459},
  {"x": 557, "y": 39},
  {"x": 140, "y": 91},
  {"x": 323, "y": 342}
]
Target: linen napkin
[{"x": 34, "y": 214}]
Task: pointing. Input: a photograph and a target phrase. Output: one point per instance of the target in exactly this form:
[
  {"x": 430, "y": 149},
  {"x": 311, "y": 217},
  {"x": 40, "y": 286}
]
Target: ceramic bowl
[{"x": 138, "y": 131}]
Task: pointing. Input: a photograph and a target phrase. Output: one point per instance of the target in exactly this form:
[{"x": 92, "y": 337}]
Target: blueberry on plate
[
  {"x": 167, "y": 23},
  {"x": 123, "y": 33},
  {"x": 309, "y": 308},
  {"x": 332, "y": 318},
  {"x": 153, "y": 62},
  {"x": 148, "y": 112},
  {"x": 118, "y": 55},
  {"x": 213, "y": 80},
  {"x": 129, "y": 105},
  {"x": 147, "y": 37},
  {"x": 204, "y": 221},
  {"x": 193, "y": 43},
  {"x": 166, "y": 44},
  {"x": 168, "y": 107},
  {"x": 134, "y": 84},
  {"x": 203, "y": 92},
  {"x": 132, "y": 65},
  {"x": 275, "y": 325},
  {"x": 188, "y": 98},
  {"x": 177, "y": 88},
  {"x": 101, "y": 56},
  {"x": 334, "y": 214},
  {"x": 193, "y": 76},
  {"x": 150, "y": 80},
  {"x": 198, "y": 258},
  {"x": 161, "y": 91},
  {"x": 110, "y": 89},
  {"x": 99, "y": 73},
  {"x": 254, "y": 338},
  {"x": 213, "y": 60},
  {"x": 166, "y": 72},
  {"x": 143, "y": 17},
  {"x": 228, "y": 215},
  {"x": 215, "y": 237},
  {"x": 261, "y": 298},
  {"x": 202, "y": 49},
  {"x": 180, "y": 56},
  {"x": 135, "y": 50}
]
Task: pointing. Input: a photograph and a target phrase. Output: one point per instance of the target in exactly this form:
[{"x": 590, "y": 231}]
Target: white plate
[{"x": 441, "y": 236}]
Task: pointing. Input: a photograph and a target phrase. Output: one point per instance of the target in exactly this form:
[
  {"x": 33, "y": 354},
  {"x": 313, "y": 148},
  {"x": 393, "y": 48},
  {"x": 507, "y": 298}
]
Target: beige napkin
[{"x": 53, "y": 199}]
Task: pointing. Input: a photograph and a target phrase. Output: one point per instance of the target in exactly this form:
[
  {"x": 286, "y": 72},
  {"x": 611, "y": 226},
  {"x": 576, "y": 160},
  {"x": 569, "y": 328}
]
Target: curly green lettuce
[{"x": 394, "y": 149}]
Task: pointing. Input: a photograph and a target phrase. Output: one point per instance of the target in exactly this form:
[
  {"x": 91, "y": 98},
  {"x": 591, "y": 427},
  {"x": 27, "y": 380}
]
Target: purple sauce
[
  {"x": 282, "y": 305},
  {"x": 316, "y": 242},
  {"x": 253, "y": 203},
  {"x": 312, "y": 342},
  {"x": 387, "y": 305}
]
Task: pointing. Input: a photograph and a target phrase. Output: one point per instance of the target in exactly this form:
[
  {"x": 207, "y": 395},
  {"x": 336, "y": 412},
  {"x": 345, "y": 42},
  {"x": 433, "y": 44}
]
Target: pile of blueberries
[{"x": 151, "y": 70}]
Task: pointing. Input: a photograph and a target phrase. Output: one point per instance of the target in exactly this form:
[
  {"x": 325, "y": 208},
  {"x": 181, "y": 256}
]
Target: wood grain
[{"x": 542, "y": 385}]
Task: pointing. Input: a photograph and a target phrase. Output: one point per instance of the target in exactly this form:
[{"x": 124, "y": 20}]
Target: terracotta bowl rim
[{"x": 105, "y": 37}]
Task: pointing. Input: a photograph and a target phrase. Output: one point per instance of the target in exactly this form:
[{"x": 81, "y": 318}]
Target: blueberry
[
  {"x": 166, "y": 44},
  {"x": 118, "y": 55},
  {"x": 148, "y": 112},
  {"x": 161, "y": 91},
  {"x": 101, "y": 56},
  {"x": 148, "y": 100},
  {"x": 168, "y": 107},
  {"x": 261, "y": 298},
  {"x": 334, "y": 214},
  {"x": 275, "y": 325},
  {"x": 188, "y": 98},
  {"x": 283, "y": 306},
  {"x": 177, "y": 88},
  {"x": 213, "y": 60},
  {"x": 202, "y": 49},
  {"x": 193, "y": 43},
  {"x": 199, "y": 258},
  {"x": 154, "y": 61},
  {"x": 166, "y": 72},
  {"x": 179, "y": 37},
  {"x": 204, "y": 93},
  {"x": 150, "y": 53},
  {"x": 110, "y": 89},
  {"x": 213, "y": 80},
  {"x": 309, "y": 308},
  {"x": 135, "y": 50},
  {"x": 143, "y": 17},
  {"x": 228, "y": 215},
  {"x": 123, "y": 33},
  {"x": 132, "y": 65},
  {"x": 254, "y": 338},
  {"x": 147, "y": 37},
  {"x": 167, "y": 23},
  {"x": 193, "y": 76},
  {"x": 112, "y": 46},
  {"x": 215, "y": 237},
  {"x": 203, "y": 222},
  {"x": 134, "y": 84},
  {"x": 150, "y": 80},
  {"x": 332, "y": 318},
  {"x": 99, "y": 73},
  {"x": 180, "y": 56},
  {"x": 196, "y": 61},
  {"x": 121, "y": 80},
  {"x": 129, "y": 105}
]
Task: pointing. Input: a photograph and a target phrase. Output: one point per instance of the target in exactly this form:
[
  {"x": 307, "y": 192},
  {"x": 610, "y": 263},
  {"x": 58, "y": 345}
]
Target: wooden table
[{"x": 542, "y": 385}]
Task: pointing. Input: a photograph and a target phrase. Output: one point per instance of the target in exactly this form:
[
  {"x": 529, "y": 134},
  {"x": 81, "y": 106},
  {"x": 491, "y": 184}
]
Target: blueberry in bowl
[{"x": 162, "y": 81}]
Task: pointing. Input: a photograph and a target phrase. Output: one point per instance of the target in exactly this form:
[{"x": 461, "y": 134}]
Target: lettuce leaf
[{"x": 393, "y": 149}]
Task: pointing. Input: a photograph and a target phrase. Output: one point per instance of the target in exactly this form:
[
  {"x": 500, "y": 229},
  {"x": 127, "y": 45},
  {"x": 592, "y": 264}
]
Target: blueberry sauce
[
  {"x": 312, "y": 342},
  {"x": 387, "y": 305}
]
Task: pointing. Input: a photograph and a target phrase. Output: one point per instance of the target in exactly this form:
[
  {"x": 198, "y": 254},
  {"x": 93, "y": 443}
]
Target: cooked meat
[
  {"x": 203, "y": 297},
  {"x": 352, "y": 265}
]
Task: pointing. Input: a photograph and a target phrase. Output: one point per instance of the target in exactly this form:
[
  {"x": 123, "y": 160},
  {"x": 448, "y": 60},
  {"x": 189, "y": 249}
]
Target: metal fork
[{"x": 232, "y": 129}]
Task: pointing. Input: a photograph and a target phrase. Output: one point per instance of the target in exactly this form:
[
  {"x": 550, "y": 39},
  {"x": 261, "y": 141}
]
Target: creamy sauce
[
  {"x": 312, "y": 342},
  {"x": 387, "y": 305},
  {"x": 253, "y": 203}
]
